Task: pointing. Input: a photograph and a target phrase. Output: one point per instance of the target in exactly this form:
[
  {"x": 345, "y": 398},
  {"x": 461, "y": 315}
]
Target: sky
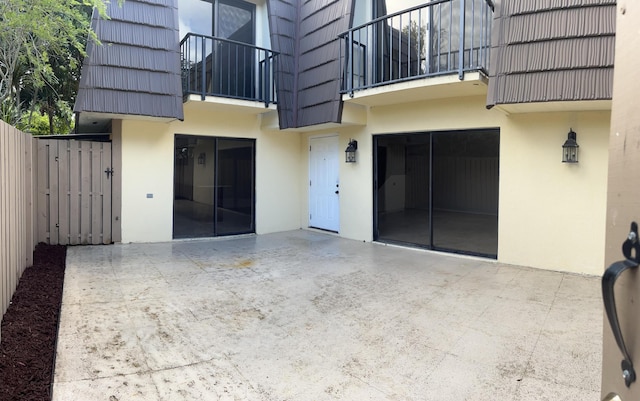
[
  {"x": 398, "y": 5},
  {"x": 195, "y": 16}
]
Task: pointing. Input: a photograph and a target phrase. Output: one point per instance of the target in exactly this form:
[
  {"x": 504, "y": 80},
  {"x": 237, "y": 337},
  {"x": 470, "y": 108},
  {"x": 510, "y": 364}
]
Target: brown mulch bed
[{"x": 30, "y": 326}]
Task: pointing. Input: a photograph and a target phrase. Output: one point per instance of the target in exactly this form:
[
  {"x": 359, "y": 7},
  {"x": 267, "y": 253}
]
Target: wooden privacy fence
[
  {"x": 74, "y": 192},
  {"x": 56, "y": 191},
  {"x": 17, "y": 239}
]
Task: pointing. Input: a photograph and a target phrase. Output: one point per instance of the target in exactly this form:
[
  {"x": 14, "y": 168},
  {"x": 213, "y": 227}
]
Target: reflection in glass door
[
  {"x": 235, "y": 21},
  {"x": 438, "y": 190},
  {"x": 402, "y": 206},
  {"x": 214, "y": 184},
  {"x": 234, "y": 186},
  {"x": 465, "y": 192}
]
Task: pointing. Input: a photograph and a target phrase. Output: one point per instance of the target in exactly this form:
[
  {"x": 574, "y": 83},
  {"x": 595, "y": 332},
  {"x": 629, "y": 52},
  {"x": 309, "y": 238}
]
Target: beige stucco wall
[
  {"x": 147, "y": 166},
  {"x": 551, "y": 215}
]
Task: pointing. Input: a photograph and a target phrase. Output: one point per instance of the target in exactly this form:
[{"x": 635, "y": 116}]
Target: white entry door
[{"x": 324, "y": 183}]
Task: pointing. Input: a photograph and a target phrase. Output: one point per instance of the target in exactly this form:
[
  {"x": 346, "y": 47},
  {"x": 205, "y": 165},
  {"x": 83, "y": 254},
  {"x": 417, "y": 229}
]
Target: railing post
[
  {"x": 267, "y": 79},
  {"x": 461, "y": 48},
  {"x": 183, "y": 71},
  {"x": 488, "y": 18},
  {"x": 203, "y": 70},
  {"x": 350, "y": 62}
]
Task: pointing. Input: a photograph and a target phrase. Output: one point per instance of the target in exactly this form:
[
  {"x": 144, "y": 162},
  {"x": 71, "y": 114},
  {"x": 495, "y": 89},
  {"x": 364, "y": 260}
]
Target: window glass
[
  {"x": 399, "y": 5},
  {"x": 235, "y": 23},
  {"x": 195, "y": 16}
]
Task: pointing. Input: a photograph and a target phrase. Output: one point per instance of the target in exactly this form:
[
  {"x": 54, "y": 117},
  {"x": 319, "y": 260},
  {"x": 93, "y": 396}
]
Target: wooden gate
[{"x": 74, "y": 192}]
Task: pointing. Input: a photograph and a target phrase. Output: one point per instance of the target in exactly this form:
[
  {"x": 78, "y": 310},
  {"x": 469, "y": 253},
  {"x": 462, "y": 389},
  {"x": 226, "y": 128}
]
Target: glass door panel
[
  {"x": 402, "y": 188},
  {"x": 235, "y": 186},
  {"x": 235, "y": 21},
  {"x": 196, "y": 16},
  {"x": 193, "y": 187},
  {"x": 465, "y": 191}
]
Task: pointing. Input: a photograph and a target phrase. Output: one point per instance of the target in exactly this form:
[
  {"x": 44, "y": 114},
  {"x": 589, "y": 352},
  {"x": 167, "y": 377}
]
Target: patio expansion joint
[
  {"x": 535, "y": 346},
  {"x": 187, "y": 365},
  {"x": 369, "y": 384},
  {"x": 237, "y": 369}
]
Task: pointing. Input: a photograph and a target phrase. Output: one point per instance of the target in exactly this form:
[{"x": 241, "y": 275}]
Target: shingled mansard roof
[
  {"x": 136, "y": 68},
  {"x": 305, "y": 33},
  {"x": 552, "y": 50}
]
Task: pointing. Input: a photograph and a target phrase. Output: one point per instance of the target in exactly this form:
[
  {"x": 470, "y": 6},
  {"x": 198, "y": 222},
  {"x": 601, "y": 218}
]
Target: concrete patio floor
[{"x": 307, "y": 316}]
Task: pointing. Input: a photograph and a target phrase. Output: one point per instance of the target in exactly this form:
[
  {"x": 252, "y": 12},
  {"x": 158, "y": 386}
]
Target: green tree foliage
[
  {"x": 42, "y": 123},
  {"x": 416, "y": 35},
  {"x": 42, "y": 43}
]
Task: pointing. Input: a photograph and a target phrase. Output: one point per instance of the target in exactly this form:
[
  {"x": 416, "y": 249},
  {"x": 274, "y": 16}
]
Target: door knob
[{"x": 337, "y": 192}]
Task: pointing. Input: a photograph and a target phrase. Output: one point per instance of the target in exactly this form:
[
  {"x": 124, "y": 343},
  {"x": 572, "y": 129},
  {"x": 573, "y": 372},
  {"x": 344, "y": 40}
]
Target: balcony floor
[
  {"x": 430, "y": 88},
  {"x": 224, "y": 104}
]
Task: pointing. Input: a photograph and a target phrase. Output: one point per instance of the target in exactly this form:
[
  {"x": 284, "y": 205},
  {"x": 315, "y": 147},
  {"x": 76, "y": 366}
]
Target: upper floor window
[
  {"x": 399, "y": 5},
  {"x": 366, "y": 10},
  {"x": 226, "y": 19}
]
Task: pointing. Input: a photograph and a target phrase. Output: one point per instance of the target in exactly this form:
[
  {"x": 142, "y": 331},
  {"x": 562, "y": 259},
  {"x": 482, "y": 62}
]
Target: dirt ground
[{"x": 29, "y": 328}]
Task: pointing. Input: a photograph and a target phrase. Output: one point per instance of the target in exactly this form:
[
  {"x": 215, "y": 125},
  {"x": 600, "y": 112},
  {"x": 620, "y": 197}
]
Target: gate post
[{"x": 623, "y": 201}]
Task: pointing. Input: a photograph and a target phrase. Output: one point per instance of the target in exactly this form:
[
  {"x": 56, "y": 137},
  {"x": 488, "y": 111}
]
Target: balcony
[
  {"x": 232, "y": 75},
  {"x": 435, "y": 50}
]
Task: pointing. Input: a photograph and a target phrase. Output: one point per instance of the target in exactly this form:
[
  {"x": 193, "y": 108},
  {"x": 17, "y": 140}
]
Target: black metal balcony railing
[
  {"x": 221, "y": 67},
  {"x": 437, "y": 38}
]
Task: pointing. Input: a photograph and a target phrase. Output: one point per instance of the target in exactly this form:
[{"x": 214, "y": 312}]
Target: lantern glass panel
[
  {"x": 350, "y": 156},
  {"x": 570, "y": 149}
]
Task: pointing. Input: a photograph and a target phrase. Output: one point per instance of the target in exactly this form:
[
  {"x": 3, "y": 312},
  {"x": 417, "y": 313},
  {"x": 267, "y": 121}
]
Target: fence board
[
  {"x": 43, "y": 191},
  {"x": 63, "y": 192},
  {"x": 74, "y": 191},
  {"x": 96, "y": 204},
  {"x": 54, "y": 190},
  {"x": 5, "y": 282},
  {"x": 106, "y": 194},
  {"x": 13, "y": 259},
  {"x": 30, "y": 188},
  {"x": 85, "y": 193},
  {"x": 16, "y": 209}
]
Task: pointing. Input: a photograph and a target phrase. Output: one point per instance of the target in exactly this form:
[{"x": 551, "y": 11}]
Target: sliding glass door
[
  {"x": 214, "y": 186},
  {"x": 438, "y": 190}
]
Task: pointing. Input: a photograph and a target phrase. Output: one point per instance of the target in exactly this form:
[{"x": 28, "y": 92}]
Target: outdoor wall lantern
[
  {"x": 350, "y": 152},
  {"x": 570, "y": 148},
  {"x": 202, "y": 158}
]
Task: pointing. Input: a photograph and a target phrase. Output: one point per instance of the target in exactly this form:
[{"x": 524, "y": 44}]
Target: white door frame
[{"x": 324, "y": 189}]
